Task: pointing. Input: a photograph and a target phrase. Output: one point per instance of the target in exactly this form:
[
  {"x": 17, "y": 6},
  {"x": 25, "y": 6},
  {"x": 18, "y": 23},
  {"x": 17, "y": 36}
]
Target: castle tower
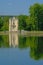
[
  {"x": 13, "y": 24},
  {"x": 13, "y": 27}
]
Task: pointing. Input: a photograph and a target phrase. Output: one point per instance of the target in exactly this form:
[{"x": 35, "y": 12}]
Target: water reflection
[
  {"x": 34, "y": 43},
  {"x": 4, "y": 41},
  {"x": 13, "y": 40},
  {"x": 36, "y": 47}
]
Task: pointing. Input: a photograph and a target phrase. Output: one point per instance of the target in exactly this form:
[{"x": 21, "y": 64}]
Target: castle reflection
[{"x": 13, "y": 39}]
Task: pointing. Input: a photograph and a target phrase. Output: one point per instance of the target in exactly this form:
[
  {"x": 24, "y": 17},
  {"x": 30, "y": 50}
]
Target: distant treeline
[
  {"x": 32, "y": 22},
  {"x": 4, "y": 23}
]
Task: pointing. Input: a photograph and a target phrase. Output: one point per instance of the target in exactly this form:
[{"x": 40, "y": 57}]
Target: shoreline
[{"x": 23, "y": 33}]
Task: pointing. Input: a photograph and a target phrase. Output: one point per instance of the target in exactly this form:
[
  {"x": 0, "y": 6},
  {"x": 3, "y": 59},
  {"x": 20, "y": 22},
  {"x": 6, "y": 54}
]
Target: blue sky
[{"x": 16, "y": 7}]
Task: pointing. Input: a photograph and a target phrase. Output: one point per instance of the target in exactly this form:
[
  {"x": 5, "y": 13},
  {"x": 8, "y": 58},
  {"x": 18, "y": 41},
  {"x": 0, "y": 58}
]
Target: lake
[{"x": 21, "y": 50}]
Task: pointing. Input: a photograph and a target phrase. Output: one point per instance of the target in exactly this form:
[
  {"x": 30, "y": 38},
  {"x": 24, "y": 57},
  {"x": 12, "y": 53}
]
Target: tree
[
  {"x": 1, "y": 23},
  {"x": 5, "y": 23},
  {"x": 22, "y": 22},
  {"x": 36, "y": 16}
]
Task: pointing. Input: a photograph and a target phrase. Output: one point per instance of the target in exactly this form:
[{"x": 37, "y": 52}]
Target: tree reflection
[
  {"x": 4, "y": 41},
  {"x": 22, "y": 42},
  {"x": 36, "y": 47},
  {"x": 35, "y": 44}
]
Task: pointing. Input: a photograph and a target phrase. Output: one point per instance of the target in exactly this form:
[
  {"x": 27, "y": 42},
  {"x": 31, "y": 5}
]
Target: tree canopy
[{"x": 36, "y": 16}]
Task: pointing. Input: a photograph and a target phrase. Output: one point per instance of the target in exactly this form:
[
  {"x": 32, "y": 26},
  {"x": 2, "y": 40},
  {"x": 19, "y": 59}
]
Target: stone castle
[
  {"x": 13, "y": 24},
  {"x": 13, "y": 27}
]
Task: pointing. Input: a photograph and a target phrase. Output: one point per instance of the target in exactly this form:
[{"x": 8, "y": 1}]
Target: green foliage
[
  {"x": 22, "y": 22},
  {"x": 1, "y": 23},
  {"x": 4, "y": 41},
  {"x": 36, "y": 16},
  {"x": 4, "y": 23}
]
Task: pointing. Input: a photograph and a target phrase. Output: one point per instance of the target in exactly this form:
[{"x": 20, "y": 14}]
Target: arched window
[{"x": 14, "y": 25}]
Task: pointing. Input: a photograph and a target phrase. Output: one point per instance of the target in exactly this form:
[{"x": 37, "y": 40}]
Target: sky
[{"x": 16, "y": 7}]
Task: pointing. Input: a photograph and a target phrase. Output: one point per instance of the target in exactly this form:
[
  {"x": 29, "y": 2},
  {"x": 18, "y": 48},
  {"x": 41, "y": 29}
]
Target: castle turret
[{"x": 13, "y": 24}]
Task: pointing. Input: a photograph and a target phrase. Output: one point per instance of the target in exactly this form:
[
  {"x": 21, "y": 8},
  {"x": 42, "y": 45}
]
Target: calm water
[{"x": 21, "y": 50}]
